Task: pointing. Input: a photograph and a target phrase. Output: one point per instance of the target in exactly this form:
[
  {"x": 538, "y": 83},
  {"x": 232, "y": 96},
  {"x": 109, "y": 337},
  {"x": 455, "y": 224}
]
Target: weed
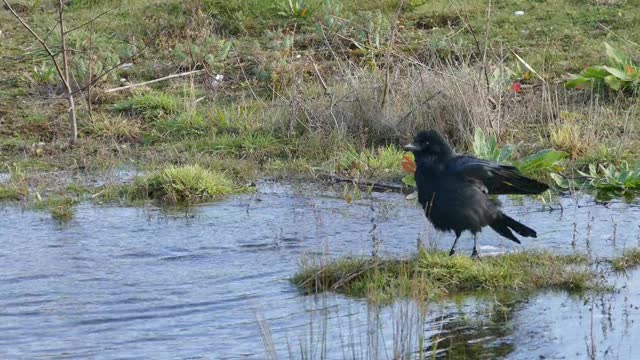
[
  {"x": 607, "y": 181},
  {"x": 44, "y": 74},
  {"x": 486, "y": 147},
  {"x": 622, "y": 74}
]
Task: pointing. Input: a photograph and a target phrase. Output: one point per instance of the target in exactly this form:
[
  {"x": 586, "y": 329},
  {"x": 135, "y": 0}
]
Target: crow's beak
[{"x": 411, "y": 147}]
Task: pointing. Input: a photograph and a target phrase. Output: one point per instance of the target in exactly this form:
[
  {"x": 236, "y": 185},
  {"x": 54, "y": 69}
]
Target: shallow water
[{"x": 121, "y": 282}]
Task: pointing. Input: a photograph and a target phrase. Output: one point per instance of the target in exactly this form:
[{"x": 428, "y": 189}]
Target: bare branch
[
  {"x": 66, "y": 79},
  {"x": 39, "y": 39}
]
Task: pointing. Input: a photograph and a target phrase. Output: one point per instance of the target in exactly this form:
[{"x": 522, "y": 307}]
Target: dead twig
[
  {"x": 374, "y": 186},
  {"x": 194, "y": 72}
]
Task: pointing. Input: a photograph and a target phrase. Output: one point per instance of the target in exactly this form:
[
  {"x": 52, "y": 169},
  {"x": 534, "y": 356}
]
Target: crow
[{"x": 454, "y": 190}]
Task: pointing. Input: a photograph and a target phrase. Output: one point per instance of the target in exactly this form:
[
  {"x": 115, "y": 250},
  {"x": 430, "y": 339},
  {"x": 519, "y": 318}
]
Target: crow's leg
[
  {"x": 474, "y": 254},
  {"x": 453, "y": 248}
]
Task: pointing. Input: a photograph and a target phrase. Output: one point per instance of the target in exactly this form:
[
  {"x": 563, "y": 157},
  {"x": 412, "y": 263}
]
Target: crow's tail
[{"x": 504, "y": 224}]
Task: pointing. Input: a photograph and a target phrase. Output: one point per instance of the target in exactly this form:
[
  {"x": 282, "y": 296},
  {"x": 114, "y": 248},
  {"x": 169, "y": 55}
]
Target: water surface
[{"x": 211, "y": 283}]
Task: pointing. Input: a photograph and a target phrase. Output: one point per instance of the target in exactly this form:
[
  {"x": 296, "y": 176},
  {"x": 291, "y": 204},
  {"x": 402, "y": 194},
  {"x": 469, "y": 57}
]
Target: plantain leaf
[{"x": 543, "y": 159}]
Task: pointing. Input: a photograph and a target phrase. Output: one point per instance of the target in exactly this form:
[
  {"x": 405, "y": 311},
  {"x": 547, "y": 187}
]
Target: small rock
[{"x": 518, "y": 13}]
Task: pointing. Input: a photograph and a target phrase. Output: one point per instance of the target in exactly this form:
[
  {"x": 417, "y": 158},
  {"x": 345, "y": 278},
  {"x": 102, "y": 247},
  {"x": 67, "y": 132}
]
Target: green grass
[
  {"x": 61, "y": 207},
  {"x": 433, "y": 274},
  {"x": 9, "y": 192},
  {"x": 554, "y": 37},
  {"x": 152, "y": 105},
  {"x": 186, "y": 184},
  {"x": 629, "y": 260},
  {"x": 305, "y": 86},
  {"x": 378, "y": 162}
]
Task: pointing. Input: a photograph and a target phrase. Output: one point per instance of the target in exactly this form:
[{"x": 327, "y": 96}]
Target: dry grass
[{"x": 455, "y": 101}]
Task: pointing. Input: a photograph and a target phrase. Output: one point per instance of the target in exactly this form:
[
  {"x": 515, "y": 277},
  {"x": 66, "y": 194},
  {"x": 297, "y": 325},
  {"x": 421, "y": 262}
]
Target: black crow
[{"x": 454, "y": 190}]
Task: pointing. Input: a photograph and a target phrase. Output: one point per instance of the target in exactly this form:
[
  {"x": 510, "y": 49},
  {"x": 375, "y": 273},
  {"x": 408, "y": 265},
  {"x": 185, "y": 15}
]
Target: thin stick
[
  {"x": 39, "y": 39},
  {"x": 388, "y": 55},
  {"x": 618, "y": 36},
  {"x": 155, "y": 80},
  {"x": 65, "y": 63}
]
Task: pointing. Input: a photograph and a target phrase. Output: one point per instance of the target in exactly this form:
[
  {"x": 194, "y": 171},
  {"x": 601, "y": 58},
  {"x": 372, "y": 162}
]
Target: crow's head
[{"x": 431, "y": 144}]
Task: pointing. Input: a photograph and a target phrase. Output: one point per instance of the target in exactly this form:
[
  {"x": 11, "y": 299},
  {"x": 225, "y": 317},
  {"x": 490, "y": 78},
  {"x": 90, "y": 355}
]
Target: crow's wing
[{"x": 498, "y": 179}]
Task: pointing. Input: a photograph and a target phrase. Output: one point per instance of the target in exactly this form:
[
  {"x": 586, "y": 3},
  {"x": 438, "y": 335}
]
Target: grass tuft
[
  {"x": 152, "y": 105},
  {"x": 437, "y": 274},
  {"x": 630, "y": 259},
  {"x": 9, "y": 193},
  {"x": 186, "y": 184}
]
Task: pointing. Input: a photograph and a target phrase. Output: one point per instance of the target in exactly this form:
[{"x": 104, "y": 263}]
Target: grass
[
  {"x": 630, "y": 259},
  {"x": 313, "y": 86},
  {"x": 10, "y": 193},
  {"x": 151, "y": 105},
  {"x": 62, "y": 208},
  {"x": 435, "y": 274},
  {"x": 186, "y": 184}
]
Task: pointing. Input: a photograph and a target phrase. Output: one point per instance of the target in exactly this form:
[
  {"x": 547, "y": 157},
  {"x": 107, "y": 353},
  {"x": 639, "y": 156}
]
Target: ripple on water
[{"x": 126, "y": 282}]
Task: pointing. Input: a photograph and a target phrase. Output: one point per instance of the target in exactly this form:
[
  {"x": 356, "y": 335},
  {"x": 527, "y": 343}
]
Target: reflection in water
[{"x": 127, "y": 282}]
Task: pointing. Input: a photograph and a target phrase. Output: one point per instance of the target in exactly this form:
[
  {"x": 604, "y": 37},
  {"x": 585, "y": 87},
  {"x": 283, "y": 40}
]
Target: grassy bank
[
  {"x": 435, "y": 274},
  {"x": 307, "y": 88}
]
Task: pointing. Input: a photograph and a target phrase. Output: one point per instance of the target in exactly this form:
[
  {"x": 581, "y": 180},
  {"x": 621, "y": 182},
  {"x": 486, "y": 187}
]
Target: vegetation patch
[
  {"x": 630, "y": 259},
  {"x": 152, "y": 105},
  {"x": 435, "y": 273},
  {"x": 10, "y": 193},
  {"x": 186, "y": 184}
]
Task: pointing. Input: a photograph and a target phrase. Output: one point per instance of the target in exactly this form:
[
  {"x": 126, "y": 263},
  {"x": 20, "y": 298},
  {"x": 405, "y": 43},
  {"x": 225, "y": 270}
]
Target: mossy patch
[
  {"x": 433, "y": 274},
  {"x": 186, "y": 184}
]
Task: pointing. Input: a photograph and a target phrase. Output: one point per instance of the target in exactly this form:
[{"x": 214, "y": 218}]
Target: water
[{"x": 121, "y": 282}]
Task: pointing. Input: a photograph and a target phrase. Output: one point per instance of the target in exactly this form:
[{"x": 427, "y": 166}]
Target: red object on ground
[{"x": 408, "y": 164}]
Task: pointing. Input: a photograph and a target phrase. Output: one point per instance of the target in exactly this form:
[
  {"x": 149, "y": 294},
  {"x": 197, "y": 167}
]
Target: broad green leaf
[
  {"x": 613, "y": 82},
  {"x": 594, "y": 72},
  {"x": 561, "y": 181},
  {"x": 543, "y": 159},
  {"x": 583, "y": 174},
  {"x": 578, "y": 81},
  {"x": 620, "y": 74}
]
